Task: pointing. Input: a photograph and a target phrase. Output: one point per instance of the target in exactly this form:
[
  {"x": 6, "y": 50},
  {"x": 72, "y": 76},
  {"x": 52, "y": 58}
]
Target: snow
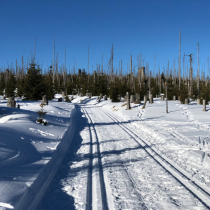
[
  {"x": 26, "y": 146},
  {"x": 118, "y": 158},
  {"x": 6, "y": 205}
]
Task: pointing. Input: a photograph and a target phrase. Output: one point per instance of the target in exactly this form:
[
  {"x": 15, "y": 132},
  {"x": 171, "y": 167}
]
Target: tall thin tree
[{"x": 179, "y": 60}]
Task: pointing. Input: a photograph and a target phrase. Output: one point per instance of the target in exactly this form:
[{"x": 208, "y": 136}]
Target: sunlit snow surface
[
  {"x": 133, "y": 180},
  {"x": 26, "y": 146}
]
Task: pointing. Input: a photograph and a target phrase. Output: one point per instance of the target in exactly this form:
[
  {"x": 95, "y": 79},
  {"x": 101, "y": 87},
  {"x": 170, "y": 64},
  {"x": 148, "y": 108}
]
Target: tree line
[{"x": 33, "y": 84}]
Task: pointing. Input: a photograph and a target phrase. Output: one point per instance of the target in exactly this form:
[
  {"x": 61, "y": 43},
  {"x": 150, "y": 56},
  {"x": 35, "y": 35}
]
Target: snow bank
[{"x": 30, "y": 153}]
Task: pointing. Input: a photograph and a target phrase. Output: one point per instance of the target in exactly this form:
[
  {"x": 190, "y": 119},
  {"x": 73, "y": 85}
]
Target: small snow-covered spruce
[
  {"x": 41, "y": 114},
  {"x": 67, "y": 98}
]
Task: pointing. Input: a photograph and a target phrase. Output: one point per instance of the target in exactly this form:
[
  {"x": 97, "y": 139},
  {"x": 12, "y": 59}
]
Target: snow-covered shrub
[{"x": 41, "y": 114}]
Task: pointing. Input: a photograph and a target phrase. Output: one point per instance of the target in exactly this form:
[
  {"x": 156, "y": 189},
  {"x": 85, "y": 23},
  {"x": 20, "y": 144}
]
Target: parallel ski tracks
[
  {"x": 98, "y": 164},
  {"x": 198, "y": 189}
]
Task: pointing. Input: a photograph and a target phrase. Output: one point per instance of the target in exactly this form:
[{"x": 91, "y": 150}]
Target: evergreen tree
[
  {"x": 34, "y": 87},
  {"x": 2, "y": 83},
  {"x": 183, "y": 93},
  {"x": 154, "y": 87},
  {"x": 143, "y": 90},
  {"x": 102, "y": 85},
  {"x": 114, "y": 92},
  {"x": 49, "y": 85},
  {"x": 10, "y": 86},
  {"x": 172, "y": 90},
  {"x": 20, "y": 86},
  {"x": 205, "y": 92}
]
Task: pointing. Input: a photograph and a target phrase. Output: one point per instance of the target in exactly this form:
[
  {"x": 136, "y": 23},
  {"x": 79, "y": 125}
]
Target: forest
[{"x": 32, "y": 82}]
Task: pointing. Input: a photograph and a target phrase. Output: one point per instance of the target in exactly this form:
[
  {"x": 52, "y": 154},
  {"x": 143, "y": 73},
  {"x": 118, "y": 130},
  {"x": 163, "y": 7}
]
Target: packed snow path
[{"x": 117, "y": 167}]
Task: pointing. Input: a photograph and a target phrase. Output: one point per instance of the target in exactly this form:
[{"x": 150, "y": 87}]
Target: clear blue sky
[{"x": 141, "y": 26}]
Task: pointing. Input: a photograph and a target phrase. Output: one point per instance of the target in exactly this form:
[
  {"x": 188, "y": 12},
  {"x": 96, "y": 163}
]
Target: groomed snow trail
[
  {"x": 121, "y": 170},
  {"x": 195, "y": 186},
  {"x": 119, "y": 165}
]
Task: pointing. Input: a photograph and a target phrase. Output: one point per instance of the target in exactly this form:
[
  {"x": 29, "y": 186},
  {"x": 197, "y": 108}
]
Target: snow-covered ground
[
  {"x": 29, "y": 151},
  {"x": 118, "y": 158}
]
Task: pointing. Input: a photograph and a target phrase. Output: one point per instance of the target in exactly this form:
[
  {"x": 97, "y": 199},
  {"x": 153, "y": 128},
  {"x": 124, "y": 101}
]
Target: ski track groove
[
  {"x": 179, "y": 136},
  {"x": 89, "y": 181},
  {"x": 193, "y": 185},
  {"x": 100, "y": 168}
]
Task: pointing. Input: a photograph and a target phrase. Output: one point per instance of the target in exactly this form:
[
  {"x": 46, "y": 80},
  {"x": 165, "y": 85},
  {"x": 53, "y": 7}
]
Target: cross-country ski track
[{"x": 119, "y": 161}]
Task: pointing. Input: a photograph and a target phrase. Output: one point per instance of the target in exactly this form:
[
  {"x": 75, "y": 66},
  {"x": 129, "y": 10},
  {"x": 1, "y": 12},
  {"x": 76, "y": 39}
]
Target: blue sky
[{"x": 132, "y": 26}]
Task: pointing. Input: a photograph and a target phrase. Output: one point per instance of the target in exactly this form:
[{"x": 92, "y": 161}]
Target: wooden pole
[{"x": 166, "y": 97}]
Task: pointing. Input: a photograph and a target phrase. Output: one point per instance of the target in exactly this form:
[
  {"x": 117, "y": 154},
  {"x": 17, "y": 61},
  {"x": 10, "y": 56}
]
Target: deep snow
[{"x": 119, "y": 159}]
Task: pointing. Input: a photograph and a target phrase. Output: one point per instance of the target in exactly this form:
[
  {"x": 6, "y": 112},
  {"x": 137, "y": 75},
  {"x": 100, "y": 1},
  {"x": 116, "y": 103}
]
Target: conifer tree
[
  {"x": 34, "y": 87},
  {"x": 154, "y": 87},
  {"x": 2, "y": 84},
  {"x": 114, "y": 92},
  {"x": 102, "y": 85},
  {"x": 205, "y": 92},
  {"x": 10, "y": 86},
  {"x": 49, "y": 84},
  {"x": 20, "y": 87},
  {"x": 183, "y": 93}
]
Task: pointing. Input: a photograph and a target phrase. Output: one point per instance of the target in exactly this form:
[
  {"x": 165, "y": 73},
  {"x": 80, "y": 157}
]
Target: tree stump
[
  {"x": 132, "y": 98},
  {"x": 11, "y": 102},
  {"x": 137, "y": 99},
  {"x": 150, "y": 98},
  {"x": 98, "y": 99},
  {"x": 45, "y": 99},
  {"x": 128, "y": 101},
  {"x": 204, "y": 105},
  {"x": 63, "y": 93},
  {"x": 119, "y": 98}
]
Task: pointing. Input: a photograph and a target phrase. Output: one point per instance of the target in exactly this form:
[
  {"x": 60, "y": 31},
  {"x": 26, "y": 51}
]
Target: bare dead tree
[
  {"x": 22, "y": 69},
  {"x": 88, "y": 61},
  {"x": 154, "y": 64},
  {"x": 191, "y": 75},
  {"x": 102, "y": 66},
  {"x": 112, "y": 57},
  {"x": 183, "y": 66},
  {"x": 64, "y": 72},
  {"x": 54, "y": 61},
  {"x": 179, "y": 60},
  {"x": 198, "y": 72},
  {"x": 121, "y": 68},
  {"x": 34, "y": 50},
  {"x": 207, "y": 69}
]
